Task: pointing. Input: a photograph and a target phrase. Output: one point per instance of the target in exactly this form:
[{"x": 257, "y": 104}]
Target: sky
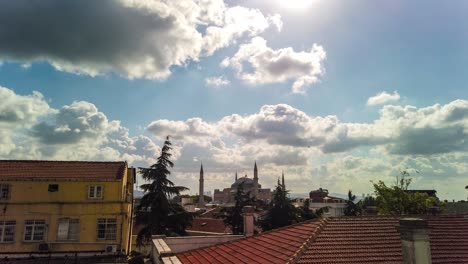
[{"x": 337, "y": 94}]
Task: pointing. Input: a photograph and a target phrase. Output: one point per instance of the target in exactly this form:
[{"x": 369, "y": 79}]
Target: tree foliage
[
  {"x": 352, "y": 208},
  {"x": 232, "y": 216},
  {"x": 156, "y": 212},
  {"x": 281, "y": 212},
  {"x": 397, "y": 200},
  {"x": 305, "y": 213}
]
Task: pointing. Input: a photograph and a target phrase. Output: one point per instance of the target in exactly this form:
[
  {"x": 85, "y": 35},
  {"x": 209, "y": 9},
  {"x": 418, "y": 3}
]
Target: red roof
[
  {"x": 61, "y": 169},
  {"x": 277, "y": 246},
  {"x": 376, "y": 240},
  {"x": 344, "y": 240},
  {"x": 210, "y": 225}
]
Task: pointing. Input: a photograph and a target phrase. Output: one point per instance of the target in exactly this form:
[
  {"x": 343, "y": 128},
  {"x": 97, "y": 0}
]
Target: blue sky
[{"x": 112, "y": 88}]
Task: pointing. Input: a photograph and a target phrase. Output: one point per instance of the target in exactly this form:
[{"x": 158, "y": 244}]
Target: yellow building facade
[{"x": 65, "y": 207}]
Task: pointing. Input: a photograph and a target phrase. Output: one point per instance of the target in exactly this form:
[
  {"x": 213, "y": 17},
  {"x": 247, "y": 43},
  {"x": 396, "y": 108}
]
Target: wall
[
  {"x": 31, "y": 200},
  {"x": 336, "y": 209}
]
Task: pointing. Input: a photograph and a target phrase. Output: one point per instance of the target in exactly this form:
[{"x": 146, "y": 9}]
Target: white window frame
[
  {"x": 68, "y": 229},
  {"x": 5, "y": 191},
  {"x": 7, "y": 225},
  {"x": 95, "y": 191},
  {"x": 107, "y": 227},
  {"x": 35, "y": 226}
]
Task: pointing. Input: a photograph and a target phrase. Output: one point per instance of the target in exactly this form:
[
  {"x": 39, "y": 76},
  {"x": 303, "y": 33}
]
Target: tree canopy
[
  {"x": 352, "y": 208},
  {"x": 397, "y": 200},
  {"x": 281, "y": 212},
  {"x": 156, "y": 213},
  {"x": 232, "y": 216}
]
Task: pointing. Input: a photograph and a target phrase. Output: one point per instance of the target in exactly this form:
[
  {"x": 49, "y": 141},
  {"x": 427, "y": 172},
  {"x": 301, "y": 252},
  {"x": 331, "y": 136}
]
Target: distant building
[
  {"x": 82, "y": 208},
  {"x": 320, "y": 199},
  {"x": 226, "y": 196}
]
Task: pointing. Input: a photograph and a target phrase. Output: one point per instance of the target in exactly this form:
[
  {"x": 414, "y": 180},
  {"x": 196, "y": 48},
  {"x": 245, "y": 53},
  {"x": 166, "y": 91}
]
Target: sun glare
[{"x": 296, "y": 4}]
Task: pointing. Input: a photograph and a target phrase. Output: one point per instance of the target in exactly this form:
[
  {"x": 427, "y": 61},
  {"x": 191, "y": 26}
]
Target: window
[
  {"x": 7, "y": 231},
  {"x": 106, "y": 229},
  {"x": 34, "y": 230},
  {"x": 4, "y": 191},
  {"x": 95, "y": 191},
  {"x": 68, "y": 229},
  {"x": 53, "y": 187}
]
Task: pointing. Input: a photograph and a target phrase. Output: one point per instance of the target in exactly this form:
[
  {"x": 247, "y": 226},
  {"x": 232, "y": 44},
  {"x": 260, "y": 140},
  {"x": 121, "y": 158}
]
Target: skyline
[{"x": 334, "y": 93}]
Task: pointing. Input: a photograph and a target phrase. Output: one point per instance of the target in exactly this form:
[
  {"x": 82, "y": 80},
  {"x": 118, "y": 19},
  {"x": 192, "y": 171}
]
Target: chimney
[
  {"x": 414, "y": 233},
  {"x": 248, "y": 220}
]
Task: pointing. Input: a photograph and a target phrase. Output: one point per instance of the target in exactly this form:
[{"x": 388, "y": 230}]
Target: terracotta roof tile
[
  {"x": 376, "y": 240},
  {"x": 276, "y": 246},
  {"x": 14, "y": 169},
  {"x": 210, "y": 225},
  {"x": 342, "y": 240}
]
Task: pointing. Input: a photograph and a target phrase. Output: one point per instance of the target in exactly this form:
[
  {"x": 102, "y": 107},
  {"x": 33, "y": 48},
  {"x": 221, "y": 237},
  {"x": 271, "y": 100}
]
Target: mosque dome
[{"x": 248, "y": 183}]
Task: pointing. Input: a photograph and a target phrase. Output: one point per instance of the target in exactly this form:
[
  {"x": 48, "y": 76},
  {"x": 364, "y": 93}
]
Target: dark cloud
[
  {"x": 88, "y": 36},
  {"x": 428, "y": 141},
  {"x": 136, "y": 39}
]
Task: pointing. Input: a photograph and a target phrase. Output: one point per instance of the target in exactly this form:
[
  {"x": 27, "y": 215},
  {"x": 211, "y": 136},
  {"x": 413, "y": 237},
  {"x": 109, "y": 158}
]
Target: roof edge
[{"x": 313, "y": 236}]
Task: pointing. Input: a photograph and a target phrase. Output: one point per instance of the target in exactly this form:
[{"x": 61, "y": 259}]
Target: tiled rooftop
[
  {"x": 376, "y": 240},
  {"x": 210, "y": 225},
  {"x": 278, "y": 246},
  {"x": 14, "y": 169},
  {"x": 341, "y": 240}
]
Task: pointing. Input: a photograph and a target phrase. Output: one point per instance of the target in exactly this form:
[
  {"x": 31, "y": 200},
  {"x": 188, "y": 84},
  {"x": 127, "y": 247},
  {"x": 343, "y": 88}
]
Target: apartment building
[{"x": 65, "y": 207}]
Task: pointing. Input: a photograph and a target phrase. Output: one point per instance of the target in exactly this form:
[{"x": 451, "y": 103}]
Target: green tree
[
  {"x": 156, "y": 212},
  {"x": 305, "y": 212},
  {"x": 281, "y": 212},
  {"x": 352, "y": 209},
  {"x": 232, "y": 216},
  {"x": 397, "y": 200}
]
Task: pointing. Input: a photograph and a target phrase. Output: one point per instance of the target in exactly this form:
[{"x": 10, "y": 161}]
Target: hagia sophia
[{"x": 226, "y": 196}]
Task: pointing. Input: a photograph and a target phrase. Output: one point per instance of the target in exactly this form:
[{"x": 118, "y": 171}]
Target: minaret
[
  {"x": 236, "y": 177},
  {"x": 282, "y": 181},
  {"x": 201, "y": 198},
  {"x": 255, "y": 185}
]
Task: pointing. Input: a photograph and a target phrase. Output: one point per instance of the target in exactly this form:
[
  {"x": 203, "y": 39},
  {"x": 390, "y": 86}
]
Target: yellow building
[{"x": 65, "y": 207}]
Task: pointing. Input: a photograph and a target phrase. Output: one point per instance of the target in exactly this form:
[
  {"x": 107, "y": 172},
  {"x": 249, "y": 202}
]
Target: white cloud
[
  {"x": 275, "y": 66},
  {"x": 31, "y": 129},
  {"x": 217, "y": 81},
  {"x": 17, "y": 109},
  {"x": 383, "y": 98},
  {"x": 314, "y": 151},
  {"x": 133, "y": 38}
]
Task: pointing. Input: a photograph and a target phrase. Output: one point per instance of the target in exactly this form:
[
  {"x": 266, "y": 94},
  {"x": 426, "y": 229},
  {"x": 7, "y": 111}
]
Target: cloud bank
[
  {"x": 133, "y": 38},
  {"x": 314, "y": 151}
]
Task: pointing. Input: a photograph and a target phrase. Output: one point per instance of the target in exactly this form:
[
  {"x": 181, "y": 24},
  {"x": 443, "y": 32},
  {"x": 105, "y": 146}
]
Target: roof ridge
[{"x": 313, "y": 236}]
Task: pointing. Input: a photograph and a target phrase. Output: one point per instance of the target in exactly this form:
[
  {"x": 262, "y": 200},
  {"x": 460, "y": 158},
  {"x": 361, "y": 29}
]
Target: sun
[{"x": 296, "y": 4}]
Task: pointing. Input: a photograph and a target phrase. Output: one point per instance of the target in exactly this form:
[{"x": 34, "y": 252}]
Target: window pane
[
  {"x": 9, "y": 235},
  {"x": 107, "y": 229},
  {"x": 4, "y": 191},
  {"x": 111, "y": 231},
  {"x": 98, "y": 191},
  {"x": 62, "y": 232},
  {"x": 28, "y": 233},
  {"x": 39, "y": 232},
  {"x": 91, "y": 192},
  {"x": 74, "y": 229}
]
